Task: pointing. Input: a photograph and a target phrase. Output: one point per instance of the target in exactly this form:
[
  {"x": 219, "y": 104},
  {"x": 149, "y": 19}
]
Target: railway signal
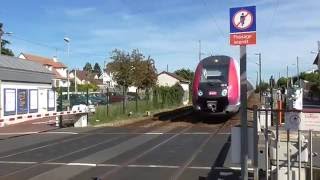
[{"x": 243, "y": 33}]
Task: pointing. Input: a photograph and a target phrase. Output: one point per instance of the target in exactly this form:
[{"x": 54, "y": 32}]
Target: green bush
[{"x": 161, "y": 98}]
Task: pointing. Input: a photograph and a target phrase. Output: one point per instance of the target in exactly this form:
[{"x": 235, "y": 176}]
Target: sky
[{"x": 167, "y": 30}]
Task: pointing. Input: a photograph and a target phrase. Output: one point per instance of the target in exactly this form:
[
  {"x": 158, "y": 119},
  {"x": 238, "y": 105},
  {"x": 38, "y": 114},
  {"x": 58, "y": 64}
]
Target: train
[{"x": 216, "y": 86}]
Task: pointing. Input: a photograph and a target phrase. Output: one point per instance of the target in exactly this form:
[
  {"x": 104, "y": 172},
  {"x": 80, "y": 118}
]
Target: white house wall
[
  {"x": 166, "y": 80},
  {"x": 41, "y": 90}
]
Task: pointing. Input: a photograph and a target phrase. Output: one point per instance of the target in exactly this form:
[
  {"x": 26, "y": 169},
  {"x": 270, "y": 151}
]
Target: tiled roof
[
  {"x": 84, "y": 75},
  {"x": 19, "y": 70},
  {"x": 175, "y": 76},
  {"x": 43, "y": 60}
]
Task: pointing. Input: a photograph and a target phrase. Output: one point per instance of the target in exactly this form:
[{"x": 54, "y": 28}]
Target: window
[{"x": 216, "y": 74}]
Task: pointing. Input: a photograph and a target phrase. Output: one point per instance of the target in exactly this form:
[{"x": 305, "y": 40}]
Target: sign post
[{"x": 242, "y": 32}]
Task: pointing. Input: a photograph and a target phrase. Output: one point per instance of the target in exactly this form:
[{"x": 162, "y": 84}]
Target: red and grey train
[{"x": 216, "y": 85}]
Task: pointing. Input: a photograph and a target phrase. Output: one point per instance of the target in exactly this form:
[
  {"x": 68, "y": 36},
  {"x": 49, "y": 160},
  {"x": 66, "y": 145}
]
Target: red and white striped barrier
[{"x": 27, "y": 117}]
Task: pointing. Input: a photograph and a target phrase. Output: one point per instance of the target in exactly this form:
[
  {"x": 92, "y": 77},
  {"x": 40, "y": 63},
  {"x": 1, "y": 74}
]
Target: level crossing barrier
[
  {"x": 28, "y": 117},
  {"x": 283, "y": 151}
]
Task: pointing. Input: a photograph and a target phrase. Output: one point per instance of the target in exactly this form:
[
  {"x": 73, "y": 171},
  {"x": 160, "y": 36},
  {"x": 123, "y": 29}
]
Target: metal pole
[
  {"x": 137, "y": 100},
  {"x": 287, "y": 77},
  {"x": 298, "y": 73},
  {"x": 277, "y": 148},
  {"x": 123, "y": 101},
  {"x": 260, "y": 93},
  {"x": 1, "y": 33},
  {"x": 255, "y": 142},
  {"x": 288, "y": 155},
  {"x": 61, "y": 107},
  {"x": 299, "y": 144},
  {"x": 108, "y": 100},
  {"x": 310, "y": 149},
  {"x": 318, "y": 55},
  {"x": 266, "y": 145},
  {"x": 244, "y": 123},
  {"x": 75, "y": 80}
]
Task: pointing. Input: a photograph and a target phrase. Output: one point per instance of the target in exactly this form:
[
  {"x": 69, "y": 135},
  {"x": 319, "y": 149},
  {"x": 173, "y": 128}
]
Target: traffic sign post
[{"x": 242, "y": 32}]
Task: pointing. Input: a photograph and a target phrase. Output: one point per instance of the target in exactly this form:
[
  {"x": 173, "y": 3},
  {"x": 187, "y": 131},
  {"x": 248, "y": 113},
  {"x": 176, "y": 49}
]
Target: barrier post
[
  {"x": 310, "y": 154},
  {"x": 255, "y": 142},
  {"x": 108, "y": 100},
  {"x": 266, "y": 145},
  {"x": 288, "y": 155}
]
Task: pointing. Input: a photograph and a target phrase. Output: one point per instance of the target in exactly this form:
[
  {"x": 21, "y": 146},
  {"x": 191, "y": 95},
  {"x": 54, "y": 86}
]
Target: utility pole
[
  {"x": 318, "y": 56},
  {"x": 287, "y": 76},
  {"x": 167, "y": 67},
  {"x": 298, "y": 73},
  {"x": 260, "y": 93},
  {"x": 1, "y": 33},
  {"x": 67, "y": 40}
]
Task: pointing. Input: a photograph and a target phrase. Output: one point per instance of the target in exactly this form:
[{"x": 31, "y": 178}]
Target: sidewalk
[{"x": 28, "y": 127}]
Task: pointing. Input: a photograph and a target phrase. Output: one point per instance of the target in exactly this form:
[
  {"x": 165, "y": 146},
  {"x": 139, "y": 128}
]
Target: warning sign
[
  {"x": 302, "y": 121},
  {"x": 310, "y": 121},
  {"x": 243, "y": 38},
  {"x": 243, "y": 25}
]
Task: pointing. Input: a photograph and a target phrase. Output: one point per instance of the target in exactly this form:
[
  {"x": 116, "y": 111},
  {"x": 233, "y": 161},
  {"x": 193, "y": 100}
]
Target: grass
[{"x": 115, "y": 112}]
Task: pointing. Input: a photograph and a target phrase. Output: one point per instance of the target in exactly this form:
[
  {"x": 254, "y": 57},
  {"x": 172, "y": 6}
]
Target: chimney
[{"x": 55, "y": 59}]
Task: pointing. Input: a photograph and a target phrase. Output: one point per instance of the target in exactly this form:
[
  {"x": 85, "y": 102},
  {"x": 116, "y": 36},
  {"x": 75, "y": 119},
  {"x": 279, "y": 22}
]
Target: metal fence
[
  {"x": 278, "y": 151},
  {"x": 115, "y": 103}
]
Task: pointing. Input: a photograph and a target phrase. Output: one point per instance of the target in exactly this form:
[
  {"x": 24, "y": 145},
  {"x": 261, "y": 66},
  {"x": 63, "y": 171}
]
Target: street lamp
[
  {"x": 67, "y": 40},
  {"x": 259, "y": 64},
  {"x": 1, "y": 34}
]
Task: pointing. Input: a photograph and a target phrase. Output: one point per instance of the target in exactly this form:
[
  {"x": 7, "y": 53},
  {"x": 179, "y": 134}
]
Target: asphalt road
[{"x": 187, "y": 148}]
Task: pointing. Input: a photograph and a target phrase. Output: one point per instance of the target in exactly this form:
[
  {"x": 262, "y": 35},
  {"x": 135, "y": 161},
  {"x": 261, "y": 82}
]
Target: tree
[
  {"x": 262, "y": 87},
  {"x": 97, "y": 69},
  {"x": 144, "y": 71},
  {"x": 282, "y": 82},
  {"x": 121, "y": 68},
  {"x": 87, "y": 67},
  {"x": 185, "y": 73},
  {"x": 4, "y": 50}
]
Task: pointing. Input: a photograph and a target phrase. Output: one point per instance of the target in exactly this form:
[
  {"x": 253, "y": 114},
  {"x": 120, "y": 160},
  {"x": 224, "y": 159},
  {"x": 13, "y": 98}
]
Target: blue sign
[{"x": 243, "y": 19}]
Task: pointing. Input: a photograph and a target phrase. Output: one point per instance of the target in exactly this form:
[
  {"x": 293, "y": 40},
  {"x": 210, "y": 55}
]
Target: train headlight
[
  {"x": 224, "y": 92},
  {"x": 200, "y": 93}
]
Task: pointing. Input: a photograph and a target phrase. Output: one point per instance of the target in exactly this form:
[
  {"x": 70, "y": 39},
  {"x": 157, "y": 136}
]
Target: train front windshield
[{"x": 214, "y": 74}]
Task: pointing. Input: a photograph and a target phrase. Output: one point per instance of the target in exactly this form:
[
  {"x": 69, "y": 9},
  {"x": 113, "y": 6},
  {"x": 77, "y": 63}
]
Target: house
[
  {"x": 317, "y": 62},
  {"x": 25, "y": 89},
  {"x": 84, "y": 77},
  {"x": 107, "y": 79},
  {"x": 59, "y": 69},
  {"x": 170, "y": 79}
]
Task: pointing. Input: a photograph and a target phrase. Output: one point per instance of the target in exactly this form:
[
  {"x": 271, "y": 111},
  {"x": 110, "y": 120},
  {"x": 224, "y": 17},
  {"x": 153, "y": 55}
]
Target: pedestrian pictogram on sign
[
  {"x": 242, "y": 20},
  {"x": 243, "y": 25}
]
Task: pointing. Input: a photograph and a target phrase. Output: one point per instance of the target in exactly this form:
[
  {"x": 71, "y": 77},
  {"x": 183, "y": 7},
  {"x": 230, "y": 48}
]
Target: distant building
[
  {"x": 317, "y": 62},
  {"x": 25, "y": 89},
  {"x": 170, "y": 79},
  {"x": 57, "y": 68},
  {"x": 107, "y": 79},
  {"x": 84, "y": 77}
]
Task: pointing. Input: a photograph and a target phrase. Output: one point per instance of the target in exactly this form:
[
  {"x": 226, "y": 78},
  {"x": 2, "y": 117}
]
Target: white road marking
[
  {"x": 59, "y": 132},
  {"x": 197, "y": 133},
  {"x": 226, "y": 173},
  {"x": 81, "y": 164},
  {"x": 225, "y": 133},
  {"x": 19, "y": 133},
  {"x": 152, "y": 166},
  {"x": 153, "y": 133},
  {"x": 17, "y": 162},
  {"x": 233, "y": 168},
  {"x": 197, "y": 167}
]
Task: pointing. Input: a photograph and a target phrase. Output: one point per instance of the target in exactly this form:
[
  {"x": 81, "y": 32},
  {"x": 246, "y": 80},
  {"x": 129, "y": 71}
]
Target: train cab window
[{"x": 214, "y": 74}]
